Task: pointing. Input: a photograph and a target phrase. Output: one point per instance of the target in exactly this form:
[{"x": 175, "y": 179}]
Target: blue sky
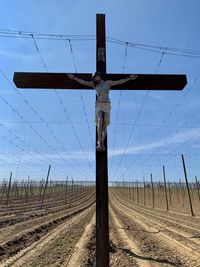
[{"x": 39, "y": 133}]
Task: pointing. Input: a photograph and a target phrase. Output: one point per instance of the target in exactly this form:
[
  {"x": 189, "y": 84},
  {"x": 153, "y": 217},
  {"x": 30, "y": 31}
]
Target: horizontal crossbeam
[{"x": 62, "y": 81}]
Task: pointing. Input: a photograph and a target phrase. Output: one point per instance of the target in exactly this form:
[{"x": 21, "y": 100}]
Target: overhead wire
[
  {"x": 21, "y": 149},
  {"x": 119, "y": 123},
  {"x": 169, "y": 114},
  {"x": 8, "y": 33},
  {"x": 118, "y": 107},
  {"x": 41, "y": 157},
  {"x": 82, "y": 99},
  {"x": 162, "y": 50},
  {"x": 136, "y": 120},
  {"x": 51, "y": 131},
  {"x": 22, "y": 117}
]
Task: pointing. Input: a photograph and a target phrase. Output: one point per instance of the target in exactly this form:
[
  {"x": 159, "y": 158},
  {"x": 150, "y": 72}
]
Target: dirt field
[{"x": 64, "y": 235}]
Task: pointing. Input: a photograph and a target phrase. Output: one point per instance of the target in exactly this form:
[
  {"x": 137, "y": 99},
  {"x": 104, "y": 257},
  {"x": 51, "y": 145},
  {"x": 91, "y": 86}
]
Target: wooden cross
[{"x": 62, "y": 81}]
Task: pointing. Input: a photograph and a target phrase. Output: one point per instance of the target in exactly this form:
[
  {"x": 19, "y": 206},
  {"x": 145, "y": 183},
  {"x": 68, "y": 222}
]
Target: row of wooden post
[
  {"x": 167, "y": 189},
  {"x": 44, "y": 185}
]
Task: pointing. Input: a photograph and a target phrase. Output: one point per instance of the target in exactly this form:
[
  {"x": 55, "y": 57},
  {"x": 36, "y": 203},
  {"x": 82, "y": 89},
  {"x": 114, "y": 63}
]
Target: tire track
[
  {"x": 34, "y": 250},
  {"x": 77, "y": 258},
  {"x": 48, "y": 204},
  {"x": 183, "y": 219},
  {"x": 15, "y": 219},
  {"x": 128, "y": 244},
  {"x": 25, "y": 238},
  {"x": 189, "y": 257},
  {"x": 178, "y": 234}
]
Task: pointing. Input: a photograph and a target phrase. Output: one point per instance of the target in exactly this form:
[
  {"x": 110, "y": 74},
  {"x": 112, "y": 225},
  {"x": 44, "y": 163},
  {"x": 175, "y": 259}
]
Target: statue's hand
[
  {"x": 71, "y": 76},
  {"x": 133, "y": 76}
]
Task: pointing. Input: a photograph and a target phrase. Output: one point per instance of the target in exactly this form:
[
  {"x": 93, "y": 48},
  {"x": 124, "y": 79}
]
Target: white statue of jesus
[{"x": 102, "y": 104}]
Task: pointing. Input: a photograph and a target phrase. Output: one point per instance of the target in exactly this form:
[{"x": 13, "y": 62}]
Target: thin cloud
[
  {"x": 33, "y": 157},
  {"x": 176, "y": 139}
]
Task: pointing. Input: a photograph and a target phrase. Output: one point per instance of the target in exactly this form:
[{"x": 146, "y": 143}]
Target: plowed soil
[{"x": 65, "y": 236}]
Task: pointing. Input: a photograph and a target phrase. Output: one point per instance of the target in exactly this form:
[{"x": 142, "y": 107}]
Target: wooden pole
[
  {"x": 165, "y": 185},
  {"x": 27, "y": 189},
  {"x": 102, "y": 227},
  {"x": 152, "y": 188},
  {"x": 72, "y": 192},
  {"x": 137, "y": 192},
  {"x": 66, "y": 190},
  {"x": 144, "y": 191},
  {"x": 169, "y": 190},
  {"x": 9, "y": 187},
  {"x": 187, "y": 185},
  {"x": 177, "y": 192},
  {"x": 45, "y": 187}
]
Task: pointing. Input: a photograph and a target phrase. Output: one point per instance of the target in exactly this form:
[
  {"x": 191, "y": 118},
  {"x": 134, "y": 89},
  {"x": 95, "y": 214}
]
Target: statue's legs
[
  {"x": 104, "y": 131},
  {"x": 102, "y": 119},
  {"x": 99, "y": 129}
]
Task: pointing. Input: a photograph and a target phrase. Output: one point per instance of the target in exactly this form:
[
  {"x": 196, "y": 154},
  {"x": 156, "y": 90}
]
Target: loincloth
[{"x": 104, "y": 107}]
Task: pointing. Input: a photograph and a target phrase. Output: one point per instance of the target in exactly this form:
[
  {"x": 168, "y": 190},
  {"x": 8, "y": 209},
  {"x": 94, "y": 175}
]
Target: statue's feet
[{"x": 100, "y": 146}]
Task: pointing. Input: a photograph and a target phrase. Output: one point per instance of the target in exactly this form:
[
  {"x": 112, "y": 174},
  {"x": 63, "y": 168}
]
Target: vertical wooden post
[
  {"x": 66, "y": 190},
  {"x": 137, "y": 192},
  {"x": 45, "y": 187},
  {"x": 72, "y": 193},
  {"x": 27, "y": 189},
  {"x": 165, "y": 185},
  {"x": 102, "y": 227},
  {"x": 187, "y": 185},
  {"x": 22, "y": 187},
  {"x": 182, "y": 193},
  {"x": 177, "y": 192},
  {"x": 40, "y": 188},
  {"x": 152, "y": 188},
  {"x": 197, "y": 185},
  {"x": 144, "y": 191},
  {"x": 169, "y": 190},
  {"x": 16, "y": 190},
  {"x": 9, "y": 187}
]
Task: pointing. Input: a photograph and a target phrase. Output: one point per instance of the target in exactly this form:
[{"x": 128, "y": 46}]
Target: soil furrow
[
  {"x": 172, "y": 231},
  {"x": 188, "y": 256},
  {"x": 14, "y": 219},
  {"x": 29, "y": 236},
  {"x": 34, "y": 255},
  {"x": 187, "y": 220}
]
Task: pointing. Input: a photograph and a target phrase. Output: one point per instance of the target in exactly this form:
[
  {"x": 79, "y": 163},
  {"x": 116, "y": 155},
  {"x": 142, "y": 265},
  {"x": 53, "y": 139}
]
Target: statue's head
[{"x": 97, "y": 77}]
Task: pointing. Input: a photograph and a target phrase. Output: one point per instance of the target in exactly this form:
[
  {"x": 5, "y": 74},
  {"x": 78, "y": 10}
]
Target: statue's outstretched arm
[
  {"x": 71, "y": 76},
  {"x": 131, "y": 77}
]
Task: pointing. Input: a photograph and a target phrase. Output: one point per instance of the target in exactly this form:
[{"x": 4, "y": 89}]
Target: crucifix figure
[
  {"x": 102, "y": 105},
  {"x": 64, "y": 81}
]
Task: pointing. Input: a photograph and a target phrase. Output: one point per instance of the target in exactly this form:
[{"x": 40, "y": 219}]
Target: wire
[
  {"x": 132, "y": 131},
  {"x": 159, "y": 49},
  {"x": 82, "y": 99},
  {"x": 178, "y": 104},
  {"x": 118, "y": 107},
  {"x": 151, "y": 48},
  {"x": 62, "y": 105},
  {"x": 7, "y": 33},
  {"x": 119, "y": 123},
  {"x": 38, "y": 50},
  {"x": 137, "y": 118},
  {"x": 27, "y": 145},
  {"x": 72, "y": 53},
  {"x": 18, "y": 147},
  {"x": 22, "y": 118}
]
